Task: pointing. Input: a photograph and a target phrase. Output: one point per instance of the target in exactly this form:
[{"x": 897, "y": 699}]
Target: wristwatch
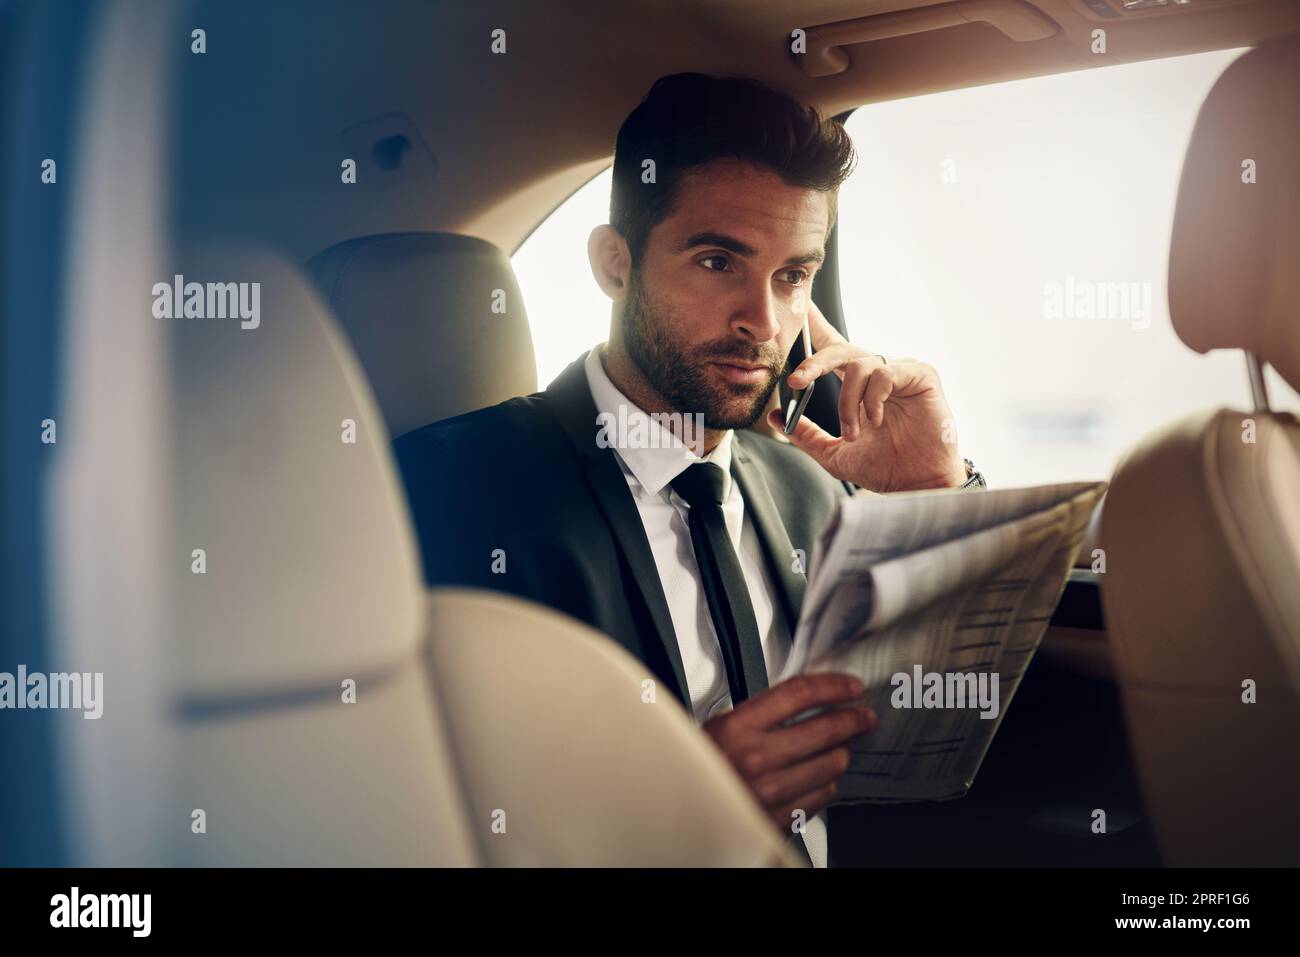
[{"x": 973, "y": 478}]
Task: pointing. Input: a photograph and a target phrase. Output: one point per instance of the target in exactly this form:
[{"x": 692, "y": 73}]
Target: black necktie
[{"x": 701, "y": 486}]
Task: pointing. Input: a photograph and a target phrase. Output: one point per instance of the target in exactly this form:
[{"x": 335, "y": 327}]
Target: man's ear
[{"x": 611, "y": 261}]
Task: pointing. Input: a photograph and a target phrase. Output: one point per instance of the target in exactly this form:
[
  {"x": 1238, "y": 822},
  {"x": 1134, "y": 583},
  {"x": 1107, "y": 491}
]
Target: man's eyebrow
[
  {"x": 721, "y": 240},
  {"x": 731, "y": 244},
  {"x": 812, "y": 256}
]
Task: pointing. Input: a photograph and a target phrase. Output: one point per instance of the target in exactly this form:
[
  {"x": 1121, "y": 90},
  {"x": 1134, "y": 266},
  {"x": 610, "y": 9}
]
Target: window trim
[{"x": 554, "y": 209}]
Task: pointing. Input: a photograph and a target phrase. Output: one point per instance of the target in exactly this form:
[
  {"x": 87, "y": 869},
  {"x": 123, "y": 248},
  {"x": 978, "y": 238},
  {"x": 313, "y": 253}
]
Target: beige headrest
[
  {"x": 309, "y": 570},
  {"x": 1234, "y": 263},
  {"x": 437, "y": 321}
]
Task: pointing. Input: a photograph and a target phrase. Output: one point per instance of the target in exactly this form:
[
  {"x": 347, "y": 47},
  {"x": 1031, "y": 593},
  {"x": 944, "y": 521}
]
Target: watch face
[{"x": 973, "y": 478}]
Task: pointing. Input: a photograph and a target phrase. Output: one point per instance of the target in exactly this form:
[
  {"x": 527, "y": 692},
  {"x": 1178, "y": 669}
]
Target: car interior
[{"x": 195, "y": 445}]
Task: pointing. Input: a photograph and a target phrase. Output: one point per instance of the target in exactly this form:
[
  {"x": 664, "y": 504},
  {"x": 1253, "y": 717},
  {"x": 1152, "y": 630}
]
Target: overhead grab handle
[{"x": 827, "y": 55}]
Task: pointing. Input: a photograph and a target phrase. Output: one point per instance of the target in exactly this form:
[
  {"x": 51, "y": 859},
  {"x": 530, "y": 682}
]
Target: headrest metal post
[{"x": 1258, "y": 387}]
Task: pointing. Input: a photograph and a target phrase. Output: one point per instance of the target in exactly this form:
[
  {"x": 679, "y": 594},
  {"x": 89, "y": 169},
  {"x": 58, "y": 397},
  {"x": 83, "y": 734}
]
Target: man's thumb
[{"x": 807, "y": 436}]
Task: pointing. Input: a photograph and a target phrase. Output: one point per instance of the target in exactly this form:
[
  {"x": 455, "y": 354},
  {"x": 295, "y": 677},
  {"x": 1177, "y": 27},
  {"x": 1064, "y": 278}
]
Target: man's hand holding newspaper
[{"x": 937, "y": 602}]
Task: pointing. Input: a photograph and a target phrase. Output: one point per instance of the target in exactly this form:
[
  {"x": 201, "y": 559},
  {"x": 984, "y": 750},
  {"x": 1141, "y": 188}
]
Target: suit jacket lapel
[
  {"x": 790, "y": 583},
  {"x": 570, "y": 397}
]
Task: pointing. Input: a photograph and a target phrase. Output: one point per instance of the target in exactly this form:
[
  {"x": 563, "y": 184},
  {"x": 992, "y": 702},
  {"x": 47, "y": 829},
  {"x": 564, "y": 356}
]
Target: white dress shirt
[{"x": 648, "y": 471}]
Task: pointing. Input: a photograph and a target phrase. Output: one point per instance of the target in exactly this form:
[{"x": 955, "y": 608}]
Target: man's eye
[
  {"x": 796, "y": 277},
  {"x": 723, "y": 260}
]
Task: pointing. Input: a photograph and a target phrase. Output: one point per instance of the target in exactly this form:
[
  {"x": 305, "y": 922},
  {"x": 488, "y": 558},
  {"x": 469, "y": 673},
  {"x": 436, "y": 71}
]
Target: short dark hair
[{"x": 688, "y": 119}]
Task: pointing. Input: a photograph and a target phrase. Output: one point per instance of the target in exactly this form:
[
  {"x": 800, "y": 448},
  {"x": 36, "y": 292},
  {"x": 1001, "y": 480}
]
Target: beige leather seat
[
  {"x": 556, "y": 735},
  {"x": 436, "y": 319},
  {"x": 485, "y": 730},
  {"x": 1202, "y": 522}
]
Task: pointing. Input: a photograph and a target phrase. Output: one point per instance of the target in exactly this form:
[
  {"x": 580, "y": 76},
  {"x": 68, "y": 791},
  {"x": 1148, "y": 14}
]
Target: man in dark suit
[{"x": 631, "y": 493}]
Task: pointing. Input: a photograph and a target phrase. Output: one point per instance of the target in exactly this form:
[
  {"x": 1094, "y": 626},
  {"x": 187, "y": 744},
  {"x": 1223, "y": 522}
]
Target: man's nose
[{"x": 756, "y": 317}]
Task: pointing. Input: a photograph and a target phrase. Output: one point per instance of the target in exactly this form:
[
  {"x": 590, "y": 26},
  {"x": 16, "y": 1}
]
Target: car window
[
  {"x": 567, "y": 311},
  {"x": 1016, "y": 236}
]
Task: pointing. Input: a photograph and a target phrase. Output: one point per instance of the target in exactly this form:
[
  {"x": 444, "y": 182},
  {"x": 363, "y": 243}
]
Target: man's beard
[{"x": 687, "y": 382}]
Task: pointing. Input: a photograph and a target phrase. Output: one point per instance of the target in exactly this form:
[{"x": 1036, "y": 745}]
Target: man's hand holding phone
[
  {"x": 896, "y": 429},
  {"x": 794, "y": 767}
]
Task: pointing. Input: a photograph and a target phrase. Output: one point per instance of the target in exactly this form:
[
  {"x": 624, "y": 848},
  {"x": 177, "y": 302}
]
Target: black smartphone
[{"x": 793, "y": 402}]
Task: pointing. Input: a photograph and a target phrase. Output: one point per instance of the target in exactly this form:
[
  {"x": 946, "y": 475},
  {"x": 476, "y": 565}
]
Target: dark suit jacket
[{"x": 528, "y": 478}]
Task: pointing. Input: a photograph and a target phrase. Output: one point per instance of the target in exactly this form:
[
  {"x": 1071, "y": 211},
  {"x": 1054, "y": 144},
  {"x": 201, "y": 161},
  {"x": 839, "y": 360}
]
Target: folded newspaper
[{"x": 937, "y": 601}]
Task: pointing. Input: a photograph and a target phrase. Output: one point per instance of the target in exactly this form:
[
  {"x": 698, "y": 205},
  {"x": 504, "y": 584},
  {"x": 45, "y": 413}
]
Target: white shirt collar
[{"x": 666, "y": 457}]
